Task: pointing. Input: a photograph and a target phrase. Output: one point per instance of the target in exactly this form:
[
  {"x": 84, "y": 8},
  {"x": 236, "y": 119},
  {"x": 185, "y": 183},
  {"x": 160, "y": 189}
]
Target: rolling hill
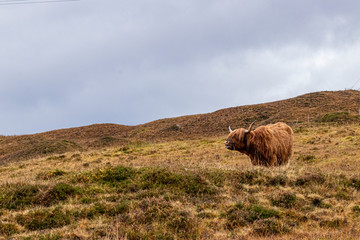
[
  {"x": 309, "y": 107},
  {"x": 173, "y": 178}
]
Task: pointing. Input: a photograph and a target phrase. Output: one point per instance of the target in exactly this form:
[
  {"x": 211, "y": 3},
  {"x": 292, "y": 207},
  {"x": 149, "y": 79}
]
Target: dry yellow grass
[{"x": 317, "y": 196}]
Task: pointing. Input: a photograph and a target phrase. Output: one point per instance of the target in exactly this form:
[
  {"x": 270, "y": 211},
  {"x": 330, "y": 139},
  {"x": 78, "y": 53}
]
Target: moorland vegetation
[{"x": 117, "y": 182}]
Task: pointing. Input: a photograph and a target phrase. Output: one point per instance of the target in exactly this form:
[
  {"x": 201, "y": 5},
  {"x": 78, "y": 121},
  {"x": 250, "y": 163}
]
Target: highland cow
[{"x": 269, "y": 145}]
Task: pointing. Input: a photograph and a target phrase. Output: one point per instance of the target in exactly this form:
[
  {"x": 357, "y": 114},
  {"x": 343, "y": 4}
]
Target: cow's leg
[{"x": 273, "y": 160}]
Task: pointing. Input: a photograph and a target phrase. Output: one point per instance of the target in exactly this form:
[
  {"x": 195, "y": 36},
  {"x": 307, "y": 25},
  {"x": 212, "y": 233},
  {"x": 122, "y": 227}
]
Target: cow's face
[{"x": 235, "y": 140}]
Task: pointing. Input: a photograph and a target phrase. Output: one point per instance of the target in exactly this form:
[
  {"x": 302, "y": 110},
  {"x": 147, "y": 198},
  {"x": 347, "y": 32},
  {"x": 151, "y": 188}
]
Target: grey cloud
[{"x": 66, "y": 65}]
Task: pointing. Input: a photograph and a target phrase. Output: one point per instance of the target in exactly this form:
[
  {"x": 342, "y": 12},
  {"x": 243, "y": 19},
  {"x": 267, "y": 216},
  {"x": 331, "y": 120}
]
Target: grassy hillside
[
  {"x": 313, "y": 107},
  {"x": 173, "y": 178},
  {"x": 190, "y": 189}
]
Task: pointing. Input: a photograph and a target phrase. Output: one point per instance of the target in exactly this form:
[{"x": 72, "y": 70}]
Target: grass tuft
[
  {"x": 285, "y": 200},
  {"x": 250, "y": 177},
  {"x": 270, "y": 226},
  {"x": 241, "y": 215},
  {"x": 335, "y": 223},
  {"x": 355, "y": 182},
  {"x": 44, "y": 219},
  {"x": 112, "y": 175},
  {"x": 307, "y": 158},
  {"x": 50, "y": 174},
  {"x": 190, "y": 183},
  {"x": 278, "y": 180},
  {"x": 8, "y": 229},
  {"x": 59, "y": 192},
  {"x": 337, "y": 117},
  {"x": 310, "y": 178},
  {"x": 18, "y": 196}
]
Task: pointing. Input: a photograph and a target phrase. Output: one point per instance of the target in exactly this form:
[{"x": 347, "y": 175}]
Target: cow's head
[{"x": 236, "y": 138}]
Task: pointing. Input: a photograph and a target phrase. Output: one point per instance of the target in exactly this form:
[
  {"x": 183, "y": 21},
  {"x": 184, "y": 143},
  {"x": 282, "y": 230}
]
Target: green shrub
[
  {"x": 182, "y": 224},
  {"x": 51, "y": 174},
  {"x": 119, "y": 208},
  {"x": 318, "y": 202},
  {"x": 191, "y": 183},
  {"x": 310, "y": 178},
  {"x": 96, "y": 210},
  {"x": 132, "y": 147},
  {"x": 99, "y": 209},
  {"x": 87, "y": 200},
  {"x": 125, "y": 149},
  {"x": 113, "y": 175},
  {"x": 18, "y": 196},
  {"x": 336, "y": 223},
  {"x": 241, "y": 215},
  {"x": 217, "y": 177},
  {"x": 355, "y": 182},
  {"x": 22, "y": 196},
  {"x": 195, "y": 184},
  {"x": 158, "y": 212},
  {"x": 286, "y": 200},
  {"x": 343, "y": 195},
  {"x": 301, "y": 129},
  {"x": 278, "y": 180},
  {"x": 8, "y": 229},
  {"x": 356, "y": 209},
  {"x": 160, "y": 178},
  {"x": 256, "y": 212},
  {"x": 107, "y": 140},
  {"x": 56, "y": 236},
  {"x": 154, "y": 210},
  {"x": 337, "y": 117},
  {"x": 44, "y": 219},
  {"x": 306, "y": 158},
  {"x": 250, "y": 177},
  {"x": 60, "y": 192}
]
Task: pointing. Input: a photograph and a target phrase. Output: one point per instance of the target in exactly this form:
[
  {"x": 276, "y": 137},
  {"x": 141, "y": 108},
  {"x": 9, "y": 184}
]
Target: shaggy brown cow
[{"x": 269, "y": 145}]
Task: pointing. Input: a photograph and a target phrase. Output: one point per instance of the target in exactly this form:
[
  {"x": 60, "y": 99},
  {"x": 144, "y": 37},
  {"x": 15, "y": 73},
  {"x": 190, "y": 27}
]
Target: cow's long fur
[{"x": 269, "y": 145}]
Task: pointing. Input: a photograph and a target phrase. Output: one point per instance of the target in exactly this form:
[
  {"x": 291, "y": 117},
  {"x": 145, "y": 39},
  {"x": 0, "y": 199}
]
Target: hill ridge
[{"x": 296, "y": 110}]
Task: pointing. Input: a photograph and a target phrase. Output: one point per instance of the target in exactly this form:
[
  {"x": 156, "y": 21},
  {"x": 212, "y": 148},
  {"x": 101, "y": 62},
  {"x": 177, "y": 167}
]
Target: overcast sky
[{"x": 129, "y": 62}]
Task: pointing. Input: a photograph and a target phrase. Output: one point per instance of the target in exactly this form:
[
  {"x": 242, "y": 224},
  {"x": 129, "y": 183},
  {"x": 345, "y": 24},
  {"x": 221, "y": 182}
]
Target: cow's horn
[
  {"x": 230, "y": 129},
  {"x": 249, "y": 129}
]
